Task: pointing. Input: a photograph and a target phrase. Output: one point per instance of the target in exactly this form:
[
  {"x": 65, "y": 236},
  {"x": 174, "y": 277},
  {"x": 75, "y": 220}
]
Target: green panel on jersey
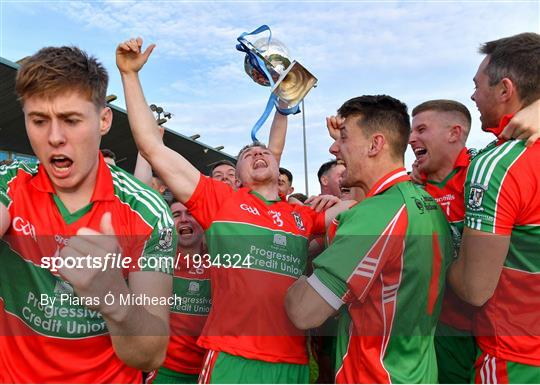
[
  {"x": 413, "y": 331},
  {"x": 196, "y": 297},
  {"x": 410, "y": 355},
  {"x": 66, "y": 318},
  {"x": 523, "y": 245},
  {"x": 484, "y": 180},
  {"x": 141, "y": 198},
  {"x": 8, "y": 172},
  {"x": 247, "y": 246}
]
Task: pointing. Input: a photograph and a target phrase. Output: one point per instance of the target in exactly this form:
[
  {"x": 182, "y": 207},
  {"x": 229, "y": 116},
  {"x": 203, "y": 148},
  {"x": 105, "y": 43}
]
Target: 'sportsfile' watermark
[{"x": 109, "y": 261}]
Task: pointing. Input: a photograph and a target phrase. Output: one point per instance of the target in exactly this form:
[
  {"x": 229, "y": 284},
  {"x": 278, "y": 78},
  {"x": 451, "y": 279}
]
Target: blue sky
[{"x": 412, "y": 50}]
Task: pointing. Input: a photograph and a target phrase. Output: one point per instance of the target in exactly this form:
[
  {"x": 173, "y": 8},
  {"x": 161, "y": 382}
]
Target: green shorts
[
  {"x": 456, "y": 352},
  {"x": 168, "y": 376},
  {"x": 223, "y": 368},
  {"x": 494, "y": 370}
]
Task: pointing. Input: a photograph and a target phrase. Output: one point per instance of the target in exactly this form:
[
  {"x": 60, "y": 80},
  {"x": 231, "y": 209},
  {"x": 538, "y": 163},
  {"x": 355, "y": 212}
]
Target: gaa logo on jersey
[
  {"x": 476, "y": 195},
  {"x": 298, "y": 221},
  {"x": 165, "y": 239}
]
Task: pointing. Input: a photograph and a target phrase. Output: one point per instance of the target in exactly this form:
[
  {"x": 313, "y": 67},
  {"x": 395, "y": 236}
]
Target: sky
[{"x": 411, "y": 50}]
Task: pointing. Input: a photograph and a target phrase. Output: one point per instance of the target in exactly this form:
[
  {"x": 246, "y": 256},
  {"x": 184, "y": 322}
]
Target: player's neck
[
  {"x": 447, "y": 165},
  {"x": 380, "y": 168},
  {"x": 268, "y": 191},
  {"x": 79, "y": 196},
  {"x": 190, "y": 250}
]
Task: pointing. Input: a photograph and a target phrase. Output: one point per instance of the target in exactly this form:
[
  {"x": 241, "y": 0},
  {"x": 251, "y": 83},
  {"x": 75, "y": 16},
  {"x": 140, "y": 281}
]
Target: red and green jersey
[
  {"x": 65, "y": 341},
  {"x": 449, "y": 195},
  {"x": 266, "y": 241},
  {"x": 502, "y": 190},
  {"x": 187, "y": 319},
  {"x": 387, "y": 264}
]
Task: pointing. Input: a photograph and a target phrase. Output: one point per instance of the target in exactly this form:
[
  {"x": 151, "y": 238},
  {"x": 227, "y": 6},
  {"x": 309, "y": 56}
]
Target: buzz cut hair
[{"x": 256, "y": 143}]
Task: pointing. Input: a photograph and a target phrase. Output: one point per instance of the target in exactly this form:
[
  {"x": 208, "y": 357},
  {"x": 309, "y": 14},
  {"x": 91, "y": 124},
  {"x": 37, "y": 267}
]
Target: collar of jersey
[
  {"x": 502, "y": 124},
  {"x": 463, "y": 159},
  {"x": 387, "y": 181},
  {"x": 268, "y": 202},
  {"x": 103, "y": 190}
]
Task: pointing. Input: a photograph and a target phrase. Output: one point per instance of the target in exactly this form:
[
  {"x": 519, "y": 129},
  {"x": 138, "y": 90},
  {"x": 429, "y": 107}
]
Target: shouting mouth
[
  {"x": 420, "y": 153},
  {"x": 61, "y": 165}
]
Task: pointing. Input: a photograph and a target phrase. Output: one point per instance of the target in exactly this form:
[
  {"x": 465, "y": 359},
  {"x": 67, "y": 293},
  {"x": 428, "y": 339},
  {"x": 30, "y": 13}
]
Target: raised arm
[
  {"x": 278, "y": 132},
  {"x": 143, "y": 169},
  {"x": 178, "y": 174}
]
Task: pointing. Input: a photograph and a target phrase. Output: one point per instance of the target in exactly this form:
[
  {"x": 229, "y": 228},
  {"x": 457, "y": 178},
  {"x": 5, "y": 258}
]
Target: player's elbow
[
  {"x": 150, "y": 150},
  {"x": 149, "y": 358},
  {"x": 478, "y": 296}
]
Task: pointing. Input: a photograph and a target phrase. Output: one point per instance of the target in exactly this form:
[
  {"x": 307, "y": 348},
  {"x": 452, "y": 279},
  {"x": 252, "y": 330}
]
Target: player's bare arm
[
  {"x": 143, "y": 169},
  {"x": 305, "y": 307},
  {"x": 5, "y": 219},
  {"x": 475, "y": 274},
  {"x": 278, "y": 132},
  {"x": 524, "y": 125},
  {"x": 336, "y": 209},
  {"x": 178, "y": 174},
  {"x": 139, "y": 334}
]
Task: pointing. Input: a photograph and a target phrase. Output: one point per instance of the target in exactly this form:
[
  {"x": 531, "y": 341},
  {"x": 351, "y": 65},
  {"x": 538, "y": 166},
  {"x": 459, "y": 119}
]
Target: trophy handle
[
  {"x": 256, "y": 59},
  {"x": 293, "y": 85}
]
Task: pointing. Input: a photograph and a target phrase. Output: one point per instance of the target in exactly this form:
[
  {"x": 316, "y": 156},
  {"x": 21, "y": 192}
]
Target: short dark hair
[
  {"x": 287, "y": 173},
  {"x": 325, "y": 167},
  {"x": 108, "y": 154},
  {"x": 381, "y": 113},
  {"x": 53, "y": 70},
  {"x": 220, "y": 163},
  {"x": 301, "y": 197},
  {"x": 443, "y": 105},
  {"x": 517, "y": 58}
]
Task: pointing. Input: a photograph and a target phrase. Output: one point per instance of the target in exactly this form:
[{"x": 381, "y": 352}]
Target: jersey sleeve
[
  {"x": 492, "y": 193},
  {"x": 157, "y": 251},
  {"x": 365, "y": 240},
  {"x": 318, "y": 225},
  {"x": 206, "y": 200},
  {"x": 7, "y": 175}
]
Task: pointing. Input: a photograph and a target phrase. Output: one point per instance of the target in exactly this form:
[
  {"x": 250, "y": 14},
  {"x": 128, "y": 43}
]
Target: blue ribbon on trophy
[{"x": 267, "y": 62}]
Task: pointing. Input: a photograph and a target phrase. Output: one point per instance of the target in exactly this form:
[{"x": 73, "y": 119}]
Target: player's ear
[
  {"x": 454, "y": 134},
  {"x": 376, "y": 144},
  {"x": 324, "y": 180},
  {"x": 506, "y": 89},
  {"x": 105, "y": 120}
]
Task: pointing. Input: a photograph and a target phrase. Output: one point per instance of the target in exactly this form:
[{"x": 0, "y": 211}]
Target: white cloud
[{"x": 412, "y": 50}]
